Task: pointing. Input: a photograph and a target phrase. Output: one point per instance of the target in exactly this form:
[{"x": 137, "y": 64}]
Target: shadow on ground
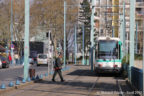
[
  {"x": 80, "y": 85},
  {"x": 85, "y": 72}
]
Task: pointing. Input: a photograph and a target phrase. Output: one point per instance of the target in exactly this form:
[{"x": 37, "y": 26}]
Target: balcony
[
  {"x": 139, "y": 4},
  {"x": 139, "y": 16},
  {"x": 140, "y": 28}
]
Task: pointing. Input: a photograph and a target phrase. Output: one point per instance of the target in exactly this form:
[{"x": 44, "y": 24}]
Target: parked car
[
  {"x": 42, "y": 59},
  {"x": 4, "y": 61}
]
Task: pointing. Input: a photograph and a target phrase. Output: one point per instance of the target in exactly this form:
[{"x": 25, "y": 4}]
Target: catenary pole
[
  {"x": 75, "y": 47},
  {"x": 132, "y": 31},
  {"x": 26, "y": 40},
  {"x": 64, "y": 34},
  {"x": 136, "y": 38},
  {"x": 83, "y": 31},
  {"x": 92, "y": 32},
  {"x": 11, "y": 29},
  {"x": 143, "y": 58},
  {"x": 124, "y": 30}
]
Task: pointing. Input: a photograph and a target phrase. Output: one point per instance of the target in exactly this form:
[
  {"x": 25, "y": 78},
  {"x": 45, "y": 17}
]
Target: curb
[
  {"x": 2, "y": 91},
  {"x": 15, "y": 87}
]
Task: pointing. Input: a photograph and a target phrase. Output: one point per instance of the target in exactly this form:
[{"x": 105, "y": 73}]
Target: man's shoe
[
  {"x": 62, "y": 80},
  {"x": 53, "y": 80}
]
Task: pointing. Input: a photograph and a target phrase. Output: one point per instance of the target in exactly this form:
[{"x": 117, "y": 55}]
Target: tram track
[
  {"x": 93, "y": 92},
  {"x": 121, "y": 93},
  {"x": 93, "y": 86}
]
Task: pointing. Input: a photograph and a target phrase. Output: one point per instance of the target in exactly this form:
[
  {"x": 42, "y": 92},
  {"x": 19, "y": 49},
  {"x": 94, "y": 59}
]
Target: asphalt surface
[
  {"x": 12, "y": 74},
  {"x": 79, "y": 81}
]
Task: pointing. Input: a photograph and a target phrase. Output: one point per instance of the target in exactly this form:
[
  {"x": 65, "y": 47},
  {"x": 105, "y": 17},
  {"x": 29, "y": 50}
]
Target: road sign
[{"x": 12, "y": 46}]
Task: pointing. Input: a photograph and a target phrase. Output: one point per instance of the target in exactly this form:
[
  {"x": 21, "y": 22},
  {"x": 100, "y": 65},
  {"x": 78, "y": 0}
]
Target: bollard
[
  {"x": 46, "y": 74},
  {"x": 3, "y": 86},
  {"x": 37, "y": 77},
  {"x": 11, "y": 84},
  {"x": 33, "y": 78},
  {"x": 41, "y": 76},
  {"x": 51, "y": 72},
  {"x": 28, "y": 79},
  {"x": 63, "y": 69},
  {"x": 23, "y": 81},
  {"x": 17, "y": 82}
]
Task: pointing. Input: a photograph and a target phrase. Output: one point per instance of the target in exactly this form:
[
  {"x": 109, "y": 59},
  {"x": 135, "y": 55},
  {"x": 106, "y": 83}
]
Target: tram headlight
[
  {"x": 99, "y": 65},
  {"x": 115, "y": 66}
]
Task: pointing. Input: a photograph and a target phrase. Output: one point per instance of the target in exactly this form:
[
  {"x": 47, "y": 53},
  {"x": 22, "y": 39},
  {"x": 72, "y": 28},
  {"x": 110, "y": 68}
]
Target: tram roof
[{"x": 108, "y": 38}]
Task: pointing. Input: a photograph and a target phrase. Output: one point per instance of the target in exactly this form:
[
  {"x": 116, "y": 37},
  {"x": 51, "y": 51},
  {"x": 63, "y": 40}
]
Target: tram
[{"x": 108, "y": 55}]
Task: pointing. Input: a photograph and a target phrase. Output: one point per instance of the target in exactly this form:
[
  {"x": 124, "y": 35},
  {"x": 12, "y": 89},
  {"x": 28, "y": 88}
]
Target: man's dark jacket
[{"x": 58, "y": 64}]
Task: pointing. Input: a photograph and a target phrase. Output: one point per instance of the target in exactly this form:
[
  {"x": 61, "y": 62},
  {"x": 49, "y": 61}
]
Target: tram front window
[{"x": 108, "y": 49}]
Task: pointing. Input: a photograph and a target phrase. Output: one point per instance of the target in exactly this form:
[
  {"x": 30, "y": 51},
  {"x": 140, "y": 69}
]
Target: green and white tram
[{"x": 108, "y": 55}]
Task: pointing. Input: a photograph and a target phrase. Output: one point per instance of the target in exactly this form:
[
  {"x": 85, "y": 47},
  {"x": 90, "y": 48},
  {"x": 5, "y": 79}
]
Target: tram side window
[{"x": 119, "y": 51}]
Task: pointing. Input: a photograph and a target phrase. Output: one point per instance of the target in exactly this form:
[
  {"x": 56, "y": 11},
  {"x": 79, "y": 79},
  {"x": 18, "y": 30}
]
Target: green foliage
[
  {"x": 124, "y": 60},
  {"x": 125, "y": 64},
  {"x": 138, "y": 57},
  {"x": 87, "y": 15}
]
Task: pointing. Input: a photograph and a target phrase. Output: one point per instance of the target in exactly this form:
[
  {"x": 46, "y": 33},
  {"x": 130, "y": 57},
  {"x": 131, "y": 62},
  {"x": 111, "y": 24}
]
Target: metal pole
[
  {"x": 83, "y": 61},
  {"x": 92, "y": 32},
  {"x": 124, "y": 31},
  {"x": 136, "y": 38},
  {"x": 75, "y": 44},
  {"x": 100, "y": 19},
  {"x": 132, "y": 31},
  {"x": 112, "y": 32},
  {"x": 49, "y": 53},
  {"x": 121, "y": 30},
  {"x": 127, "y": 46},
  {"x": 64, "y": 34},
  {"x": 143, "y": 57},
  {"x": 26, "y": 40},
  {"x": 11, "y": 29}
]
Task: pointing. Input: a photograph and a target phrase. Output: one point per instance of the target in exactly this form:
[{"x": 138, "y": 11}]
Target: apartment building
[
  {"x": 104, "y": 18},
  {"x": 139, "y": 20}
]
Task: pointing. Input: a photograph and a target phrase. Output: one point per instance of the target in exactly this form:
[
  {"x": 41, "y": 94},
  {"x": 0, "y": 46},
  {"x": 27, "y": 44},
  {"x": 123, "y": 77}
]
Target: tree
[
  {"x": 85, "y": 19},
  {"x": 44, "y": 14},
  {"x": 50, "y": 15}
]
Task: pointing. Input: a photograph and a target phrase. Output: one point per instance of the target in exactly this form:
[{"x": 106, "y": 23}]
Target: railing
[
  {"x": 137, "y": 80},
  {"x": 139, "y": 16}
]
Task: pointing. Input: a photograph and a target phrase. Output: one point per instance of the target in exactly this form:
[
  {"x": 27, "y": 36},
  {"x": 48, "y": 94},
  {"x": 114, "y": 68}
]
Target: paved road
[
  {"x": 80, "y": 81},
  {"x": 11, "y": 74}
]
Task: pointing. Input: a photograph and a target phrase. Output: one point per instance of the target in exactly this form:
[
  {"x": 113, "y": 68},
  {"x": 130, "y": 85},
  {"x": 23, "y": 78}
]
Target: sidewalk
[
  {"x": 48, "y": 88},
  {"x": 80, "y": 81}
]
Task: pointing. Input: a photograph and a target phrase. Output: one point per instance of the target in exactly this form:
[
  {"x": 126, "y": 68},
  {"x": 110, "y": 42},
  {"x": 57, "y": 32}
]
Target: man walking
[{"x": 57, "y": 68}]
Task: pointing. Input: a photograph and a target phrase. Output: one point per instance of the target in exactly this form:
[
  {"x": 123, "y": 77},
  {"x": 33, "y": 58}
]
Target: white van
[{"x": 42, "y": 59}]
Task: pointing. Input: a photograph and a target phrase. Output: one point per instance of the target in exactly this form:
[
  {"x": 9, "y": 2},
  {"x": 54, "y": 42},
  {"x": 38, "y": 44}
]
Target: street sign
[{"x": 12, "y": 46}]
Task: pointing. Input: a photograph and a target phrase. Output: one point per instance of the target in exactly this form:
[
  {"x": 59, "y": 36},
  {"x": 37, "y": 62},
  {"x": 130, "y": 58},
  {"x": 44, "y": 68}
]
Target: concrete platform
[{"x": 80, "y": 81}]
